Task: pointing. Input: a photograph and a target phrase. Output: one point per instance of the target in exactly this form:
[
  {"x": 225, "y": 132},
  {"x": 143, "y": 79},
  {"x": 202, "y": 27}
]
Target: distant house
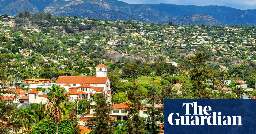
[
  {"x": 83, "y": 92},
  {"x": 37, "y": 81},
  {"x": 22, "y": 96},
  {"x": 84, "y": 130},
  {"x": 38, "y": 97},
  {"x": 120, "y": 111},
  {"x": 9, "y": 95},
  {"x": 7, "y": 98},
  {"x": 241, "y": 84},
  {"x": 227, "y": 82}
]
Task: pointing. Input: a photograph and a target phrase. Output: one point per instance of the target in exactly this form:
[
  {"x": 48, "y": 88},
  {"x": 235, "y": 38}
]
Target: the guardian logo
[{"x": 197, "y": 115}]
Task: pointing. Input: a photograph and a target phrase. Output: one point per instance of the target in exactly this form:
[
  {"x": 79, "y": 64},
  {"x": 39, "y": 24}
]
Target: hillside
[
  {"x": 117, "y": 10},
  {"x": 48, "y": 46}
]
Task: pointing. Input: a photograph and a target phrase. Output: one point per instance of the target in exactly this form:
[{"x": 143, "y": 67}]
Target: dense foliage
[{"x": 147, "y": 63}]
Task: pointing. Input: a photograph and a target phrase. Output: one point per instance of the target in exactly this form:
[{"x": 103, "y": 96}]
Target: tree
[
  {"x": 56, "y": 96},
  {"x": 102, "y": 109},
  {"x": 57, "y": 119},
  {"x": 152, "y": 127},
  {"x": 67, "y": 127},
  {"x": 136, "y": 124},
  {"x": 179, "y": 86},
  {"x": 120, "y": 97},
  {"x": 24, "y": 119},
  {"x": 121, "y": 127},
  {"x": 199, "y": 72},
  {"x": 45, "y": 126},
  {"x": 251, "y": 80},
  {"x": 83, "y": 106},
  {"x": 6, "y": 110}
]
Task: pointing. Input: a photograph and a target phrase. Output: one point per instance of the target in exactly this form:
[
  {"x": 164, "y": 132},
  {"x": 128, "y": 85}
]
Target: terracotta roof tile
[
  {"x": 30, "y": 81},
  {"x": 75, "y": 91},
  {"x": 43, "y": 95},
  {"x": 84, "y": 130},
  {"x": 240, "y": 82},
  {"x": 85, "y": 86},
  {"x": 24, "y": 98},
  {"x": 97, "y": 89},
  {"x": 81, "y": 80},
  {"x": 101, "y": 66},
  {"x": 33, "y": 91},
  {"x": 89, "y": 116},
  {"x": 120, "y": 106},
  {"x": 83, "y": 119},
  {"x": 19, "y": 91},
  {"x": 7, "y": 98}
]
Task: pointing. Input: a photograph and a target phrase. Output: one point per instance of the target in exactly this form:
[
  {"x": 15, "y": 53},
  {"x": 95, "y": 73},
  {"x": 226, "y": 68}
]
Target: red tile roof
[
  {"x": 85, "y": 86},
  {"x": 19, "y": 91},
  {"x": 24, "y": 98},
  {"x": 84, "y": 130},
  {"x": 7, "y": 98},
  {"x": 89, "y": 116},
  {"x": 97, "y": 89},
  {"x": 81, "y": 80},
  {"x": 101, "y": 66},
  {"x": 120, "y": 106},
  {"x": 37, "y": 81},
  {"x": 83, "y": 119},
  {"x": 43, "y": 95},
  {"x": 75, "y": 91},
  {"x": 33, "y": 91},
  {"x": 240, "y": 82}
]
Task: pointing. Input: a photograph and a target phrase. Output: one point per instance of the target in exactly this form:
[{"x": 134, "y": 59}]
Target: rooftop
[
  {"x": 81, "y": 80},
  {"x": 101, "y": 66},
  {"x": 120, "y": 106}
]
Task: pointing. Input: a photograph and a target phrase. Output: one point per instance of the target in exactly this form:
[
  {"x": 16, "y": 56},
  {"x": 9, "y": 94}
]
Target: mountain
[{"x": 117, "y": 10}]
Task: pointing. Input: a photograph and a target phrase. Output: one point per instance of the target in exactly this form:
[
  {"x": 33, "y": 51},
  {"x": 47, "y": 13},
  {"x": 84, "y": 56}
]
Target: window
[
  {"x": 115, "y": 111},
  {"x": 74, "y": 84},
  {"x": 123, "y": 111}
]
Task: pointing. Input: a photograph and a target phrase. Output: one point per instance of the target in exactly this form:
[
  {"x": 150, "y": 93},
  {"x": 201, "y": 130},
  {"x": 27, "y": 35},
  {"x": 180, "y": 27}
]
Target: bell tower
[{"x": 101, "y": 70}]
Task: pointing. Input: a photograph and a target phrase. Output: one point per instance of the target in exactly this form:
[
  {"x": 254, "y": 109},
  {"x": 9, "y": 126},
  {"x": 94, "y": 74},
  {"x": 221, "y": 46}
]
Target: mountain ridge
[{"x": 118, "y": 10}]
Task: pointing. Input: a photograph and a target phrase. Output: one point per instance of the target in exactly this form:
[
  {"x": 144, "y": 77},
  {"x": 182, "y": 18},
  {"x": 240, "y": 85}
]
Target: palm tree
[
  {"x": 56, "y": 97},
  {"x": 24, "y": 119},
  {"x": 6, "y": 113},
  {"x": 102, "y": 115}
]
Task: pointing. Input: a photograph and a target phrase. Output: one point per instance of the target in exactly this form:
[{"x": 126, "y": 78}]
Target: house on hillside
[
  {"x": 39, "y": 97},
  {"x": 83, "y": 87},
  {"x": 38, "y": 83},
  {"x": 120, "y": 111},
  {"x": 77, "y": 87}
]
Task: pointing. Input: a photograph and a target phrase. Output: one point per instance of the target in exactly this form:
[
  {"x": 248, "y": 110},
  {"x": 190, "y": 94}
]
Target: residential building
[{"x": 120, "y": 111}]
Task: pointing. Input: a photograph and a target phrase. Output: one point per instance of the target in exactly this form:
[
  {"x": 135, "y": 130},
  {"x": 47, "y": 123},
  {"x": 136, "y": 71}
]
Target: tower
[{"x": 101, "y": 70}]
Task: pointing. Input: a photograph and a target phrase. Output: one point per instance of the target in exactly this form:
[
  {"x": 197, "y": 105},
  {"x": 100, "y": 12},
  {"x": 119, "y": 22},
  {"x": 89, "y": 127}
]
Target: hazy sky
[{"x": 242, "y": 4}]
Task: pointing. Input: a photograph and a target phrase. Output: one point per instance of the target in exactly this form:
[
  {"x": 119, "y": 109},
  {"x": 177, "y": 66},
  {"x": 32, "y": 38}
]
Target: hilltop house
[{"x": 120, "y": 111}]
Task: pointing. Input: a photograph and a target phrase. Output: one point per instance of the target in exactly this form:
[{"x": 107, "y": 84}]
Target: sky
[{"x": 241, "y": 4}]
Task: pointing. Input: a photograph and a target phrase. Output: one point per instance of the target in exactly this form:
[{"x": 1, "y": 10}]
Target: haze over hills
[{"x": 117, "y": 10}]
